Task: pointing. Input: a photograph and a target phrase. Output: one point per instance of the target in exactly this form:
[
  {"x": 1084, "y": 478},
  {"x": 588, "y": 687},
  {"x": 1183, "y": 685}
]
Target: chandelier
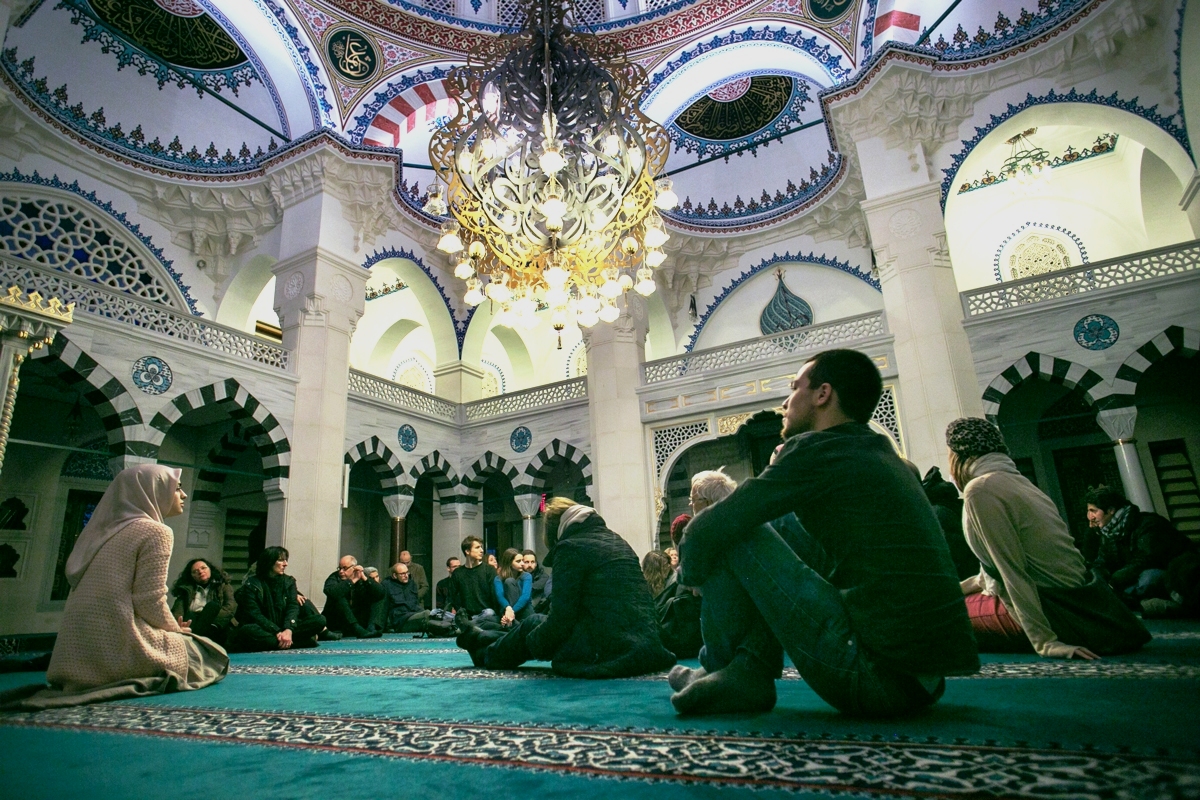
[
  {"x": 1028, "y": 166},
  {"x": 549, "y": 169}
]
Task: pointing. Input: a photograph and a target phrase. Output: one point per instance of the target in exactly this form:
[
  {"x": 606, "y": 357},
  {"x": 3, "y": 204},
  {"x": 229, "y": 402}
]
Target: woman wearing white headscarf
[{"x": 118, "y": 637}]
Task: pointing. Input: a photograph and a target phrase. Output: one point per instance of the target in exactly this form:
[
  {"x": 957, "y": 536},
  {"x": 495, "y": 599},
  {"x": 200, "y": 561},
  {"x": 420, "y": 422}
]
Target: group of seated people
[{"x": 837, "y": 554}]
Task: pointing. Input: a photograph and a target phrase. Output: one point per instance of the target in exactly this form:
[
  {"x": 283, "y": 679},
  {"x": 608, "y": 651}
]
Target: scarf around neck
[{"x": 1116, "y": 525}]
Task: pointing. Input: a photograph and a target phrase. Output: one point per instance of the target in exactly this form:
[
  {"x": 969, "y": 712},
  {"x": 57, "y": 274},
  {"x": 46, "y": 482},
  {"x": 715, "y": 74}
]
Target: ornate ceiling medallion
[
  {"x": 829, "y": 11},
  {"x": 550, "y": 167},
  {"x": 726, "y": 113},
  {"x": 171, "y": 31},
  {"x": 351, "y": 55}
]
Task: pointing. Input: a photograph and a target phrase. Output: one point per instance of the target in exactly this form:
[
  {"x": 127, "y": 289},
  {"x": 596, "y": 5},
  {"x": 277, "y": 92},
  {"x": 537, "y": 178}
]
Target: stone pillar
[
  {"x": 528, "y": 505},
  {"x": 458, "y": 382},
  {"x": 453, "y": 523},
  {"x": 1119, "y": 423},
  {"x": 920, "y": 297},
  {"x": 398, "y": 506},
  {"x": 621, "y": 475},
  {"x": 319, "y": 297}
]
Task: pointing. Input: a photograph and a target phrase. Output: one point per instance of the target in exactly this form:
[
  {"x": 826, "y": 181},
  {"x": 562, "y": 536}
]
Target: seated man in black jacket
[
  {"x": 472, "y": 590},
  {"x": 1136, "y": 547},
  {"x": 442, "y": 592},
  {"x": 268, "y": 609},
  {"x": 405, "y": 613},
  {"x": 852, "y": 577},
  {"x": 349, "y": 596}
]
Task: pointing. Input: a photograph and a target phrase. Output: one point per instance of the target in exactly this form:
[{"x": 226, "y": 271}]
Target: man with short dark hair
[
  {"x": 1136, "y": 547},
  {"x": 442, "y": 592},
  {"x": 852, "y": 578},
  {"x": 539, "y": 599},
  {"x": 472, "y": 593},
  {"x": 349, "y": 597},
  {"x": 405, "y": 614}
]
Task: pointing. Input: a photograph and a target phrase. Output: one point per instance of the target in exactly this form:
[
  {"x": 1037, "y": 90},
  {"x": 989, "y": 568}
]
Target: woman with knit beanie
[{"x": 1034, "y": 587}]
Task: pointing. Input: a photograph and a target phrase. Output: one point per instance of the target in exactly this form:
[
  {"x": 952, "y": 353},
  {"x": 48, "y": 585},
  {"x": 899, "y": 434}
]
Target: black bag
[{"x": 679, "y": 621}]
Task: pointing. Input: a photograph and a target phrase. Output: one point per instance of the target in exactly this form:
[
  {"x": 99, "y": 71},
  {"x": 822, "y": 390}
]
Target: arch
[
  {"x": 443, "y": 476},
  {"x": 385, "y": 464},
  {"x": 477, "y": 474},
  {"x": 1186, "y": 341},
  {"x": 107, "y": 395},
  {"x": 1188, "y": 74},
  {"x": 210, "y": 482},
  {"x": 538, "y": 468},
  {"x": 243, "y": 292},
  {"x": 259, "y": 424},
  {"x": 381, "y": 354},
  {"x": 518, "y": 356},
  {"x": 1042, "y": 367},
  {"x": 447, "y": 330},
  {"x": 1161, "y": 134}
]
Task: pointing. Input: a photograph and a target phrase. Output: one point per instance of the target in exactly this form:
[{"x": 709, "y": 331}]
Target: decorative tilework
[
  {"x": 1167, "y": 123},
  {"x": 786, "y": 258},
  {"x": 48, "y": 238},
  {"x": 91, "y": 465},
  {"x": 1096, "y": 332},
  {"x": 407, "y": 437},
  {"x": 520, "y": 439},
  {"x": 314, "y": 90},
  {"x": 766, "y": 207},
  {"x": 152, "y": 375},
  {"x": 460, "y": 324},
  {"x": 494, "y": 368},
  {"x": 1083, "y": 254},
  {"x": 1005, "y": 33},
  {"x": 395, "y": 87}
]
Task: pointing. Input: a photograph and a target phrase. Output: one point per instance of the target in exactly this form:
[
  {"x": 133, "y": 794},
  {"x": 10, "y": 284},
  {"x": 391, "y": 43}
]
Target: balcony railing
[
  {"x": 1167, "y": 261},
  {"x": 99, "y": 301},
  {"x": 828, "y": 334},
  {"x": 403, "y": 396},
  {"x": 538, "y": 397}
]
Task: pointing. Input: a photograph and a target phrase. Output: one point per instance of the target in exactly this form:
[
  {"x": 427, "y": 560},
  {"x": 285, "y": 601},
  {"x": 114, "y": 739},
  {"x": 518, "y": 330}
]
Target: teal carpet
[{"x": 412, "y": 718}]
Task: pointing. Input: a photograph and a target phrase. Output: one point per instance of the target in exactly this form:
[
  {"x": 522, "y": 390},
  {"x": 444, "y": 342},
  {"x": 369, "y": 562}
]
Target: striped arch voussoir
[
  {"x": 1041, "y": 367},
  {"x": 444, "y": 478},
  {"x": 1174, "y": 339},
  {"x": 478, "y": 473},
  {"x": 118, "y": 413},
  {"x": 383, "y": 462},
  {"x": 210, "y": 479},
  {"x": 257, "y": 423},
  {"x": 539, "y": 468}
]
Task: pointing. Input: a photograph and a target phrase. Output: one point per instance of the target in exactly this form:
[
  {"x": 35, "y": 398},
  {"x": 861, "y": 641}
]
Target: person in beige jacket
[
  {"x": 1031, "y": 572},
  {"x": 118, "y": 637}
]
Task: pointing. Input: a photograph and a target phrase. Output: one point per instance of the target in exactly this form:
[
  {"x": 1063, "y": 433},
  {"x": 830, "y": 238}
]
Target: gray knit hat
[{"x": 971, "y": 436}]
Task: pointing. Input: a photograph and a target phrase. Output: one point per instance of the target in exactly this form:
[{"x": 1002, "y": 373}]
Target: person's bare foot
[
  {"x": 734, "y": 689},
  {"x": 680, "y": 676}
]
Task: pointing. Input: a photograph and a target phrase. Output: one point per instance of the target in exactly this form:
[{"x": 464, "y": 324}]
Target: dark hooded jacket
[
  {"x": 948, "y": 508},
  {"x": 1146, "y": 541},
  {"x": 602, "y": 622}
]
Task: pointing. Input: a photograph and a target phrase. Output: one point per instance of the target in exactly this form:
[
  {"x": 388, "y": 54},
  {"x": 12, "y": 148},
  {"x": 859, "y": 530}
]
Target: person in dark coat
[
  {"x": 405, "y": 612},
  {"x": 204, "y": 601},
  {"x": 350, "y": 600},
  {"x": 601, "y": 623},
  {"x": 948, "y": 508},
  {"x": 1136, "y": 547},
  {"x": 268, "y": 609},
  {"x": 541, "y": 582}
]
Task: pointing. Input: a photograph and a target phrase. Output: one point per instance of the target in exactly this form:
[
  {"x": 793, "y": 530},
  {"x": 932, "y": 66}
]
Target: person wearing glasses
[{"x": 349, "y": 598}]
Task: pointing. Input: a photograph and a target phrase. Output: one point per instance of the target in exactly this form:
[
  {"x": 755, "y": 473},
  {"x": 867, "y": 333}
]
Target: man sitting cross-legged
[
  {"x": 349, "y": 598},
  {"x": 405, "y": 614},
  {"x": 853, "y": 578},
  {"x": 472, "y": 593},
  {"x": 442, "y": 592},
  {"x": 601, "y": 622}
]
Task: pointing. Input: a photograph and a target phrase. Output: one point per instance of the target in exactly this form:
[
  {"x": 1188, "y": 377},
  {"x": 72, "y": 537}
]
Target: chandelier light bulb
[
  {"x": 629, "y": 245},
  {"x": 555, "y": 276},
  {"x": 558, "y": 319},
  {"x": 609, "y": 313},
  {"x": 656, "y": 235},
  {"x": 611, "y": 146},
  {"x": 587, "y": 318},
  {"x": 556, "y": 296},
  {"x": 589, "y": 305},
  {"x": 463, "y": 268},
  {"x": 474, "y": 296},
  {"x": 636, "y": 159},
  {"x": 554, "y": 224},
  {"x": 450, "y": 243},
  {"x": 625, "y": 282},
  {"x": 655, "y": 258},
  {"x": 465, "y": 160},
  {"x": 436, "y": 204},
  {"x": 525, "y": 305},
  {"x": 553, "y": 206},
  {"x": 666, "y": 199},
  {"x": 487, "y": 148},
  {"x": 610, "y": 289},
  {"x": 476, "y": 249},
  {"x": 503, "y": 317},
  {"x": 508, "y": 222},
  {"x": 551, "y": 159},
  {"x": 645, "y": 283}
]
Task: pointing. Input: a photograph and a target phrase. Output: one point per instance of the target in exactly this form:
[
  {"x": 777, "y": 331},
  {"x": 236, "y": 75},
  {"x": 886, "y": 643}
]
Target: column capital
[
  {"x": 398, "y": 505},
  {"x": 1118, "y": 423},
  {"x": 459, "y": 511},
  {"x": 319, "y": 287},
  {"x": 528, "y": 504}
]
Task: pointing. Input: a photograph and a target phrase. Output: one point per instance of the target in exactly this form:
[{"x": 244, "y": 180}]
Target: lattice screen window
[
  {"x": 886, "y": 416},
  {"x": 1037, "y": 254},
  {"x": 446, "y": 7},
  {"x": 61, "y": 235},
  {"x": 508, "y": 12},
  {"x": 589, "y": 12},
  {"x": 668, "y": 440},
  {"x": 655, "y": 5}
]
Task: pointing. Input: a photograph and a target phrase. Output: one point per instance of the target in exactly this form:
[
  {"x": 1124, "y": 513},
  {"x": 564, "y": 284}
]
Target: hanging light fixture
[
  {"x": 550, "y": 169},
  {"x": 1027, "y": 169}
]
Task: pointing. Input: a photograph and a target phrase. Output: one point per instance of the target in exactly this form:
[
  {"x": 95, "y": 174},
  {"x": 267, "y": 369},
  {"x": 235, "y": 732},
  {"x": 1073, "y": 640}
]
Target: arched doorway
[{"x": 1168, "y": 436}]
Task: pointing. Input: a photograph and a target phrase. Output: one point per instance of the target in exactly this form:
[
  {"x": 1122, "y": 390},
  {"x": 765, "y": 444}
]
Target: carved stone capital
[
  {"x": 398, "y": 505},
  {"x": 1118, "y": 423}
]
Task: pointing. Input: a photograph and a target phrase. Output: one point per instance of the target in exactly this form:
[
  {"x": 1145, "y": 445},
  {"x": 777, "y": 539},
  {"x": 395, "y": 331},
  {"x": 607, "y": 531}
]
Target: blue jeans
[{"x": 773, "y": 595}]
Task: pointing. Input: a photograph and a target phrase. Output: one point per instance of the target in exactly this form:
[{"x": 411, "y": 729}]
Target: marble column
[
  {"x": 319, "y": 297},
  {"x": 453, "y": 523},
  {"x": 398, "y": 506},
  {"x": 920, "y": 297},
  {"x": 458, "y": 382},
  {"x": 1119, "y": 423},
  {"x": 528, "y": 505},
  {"x": 621, "y": 477}
]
